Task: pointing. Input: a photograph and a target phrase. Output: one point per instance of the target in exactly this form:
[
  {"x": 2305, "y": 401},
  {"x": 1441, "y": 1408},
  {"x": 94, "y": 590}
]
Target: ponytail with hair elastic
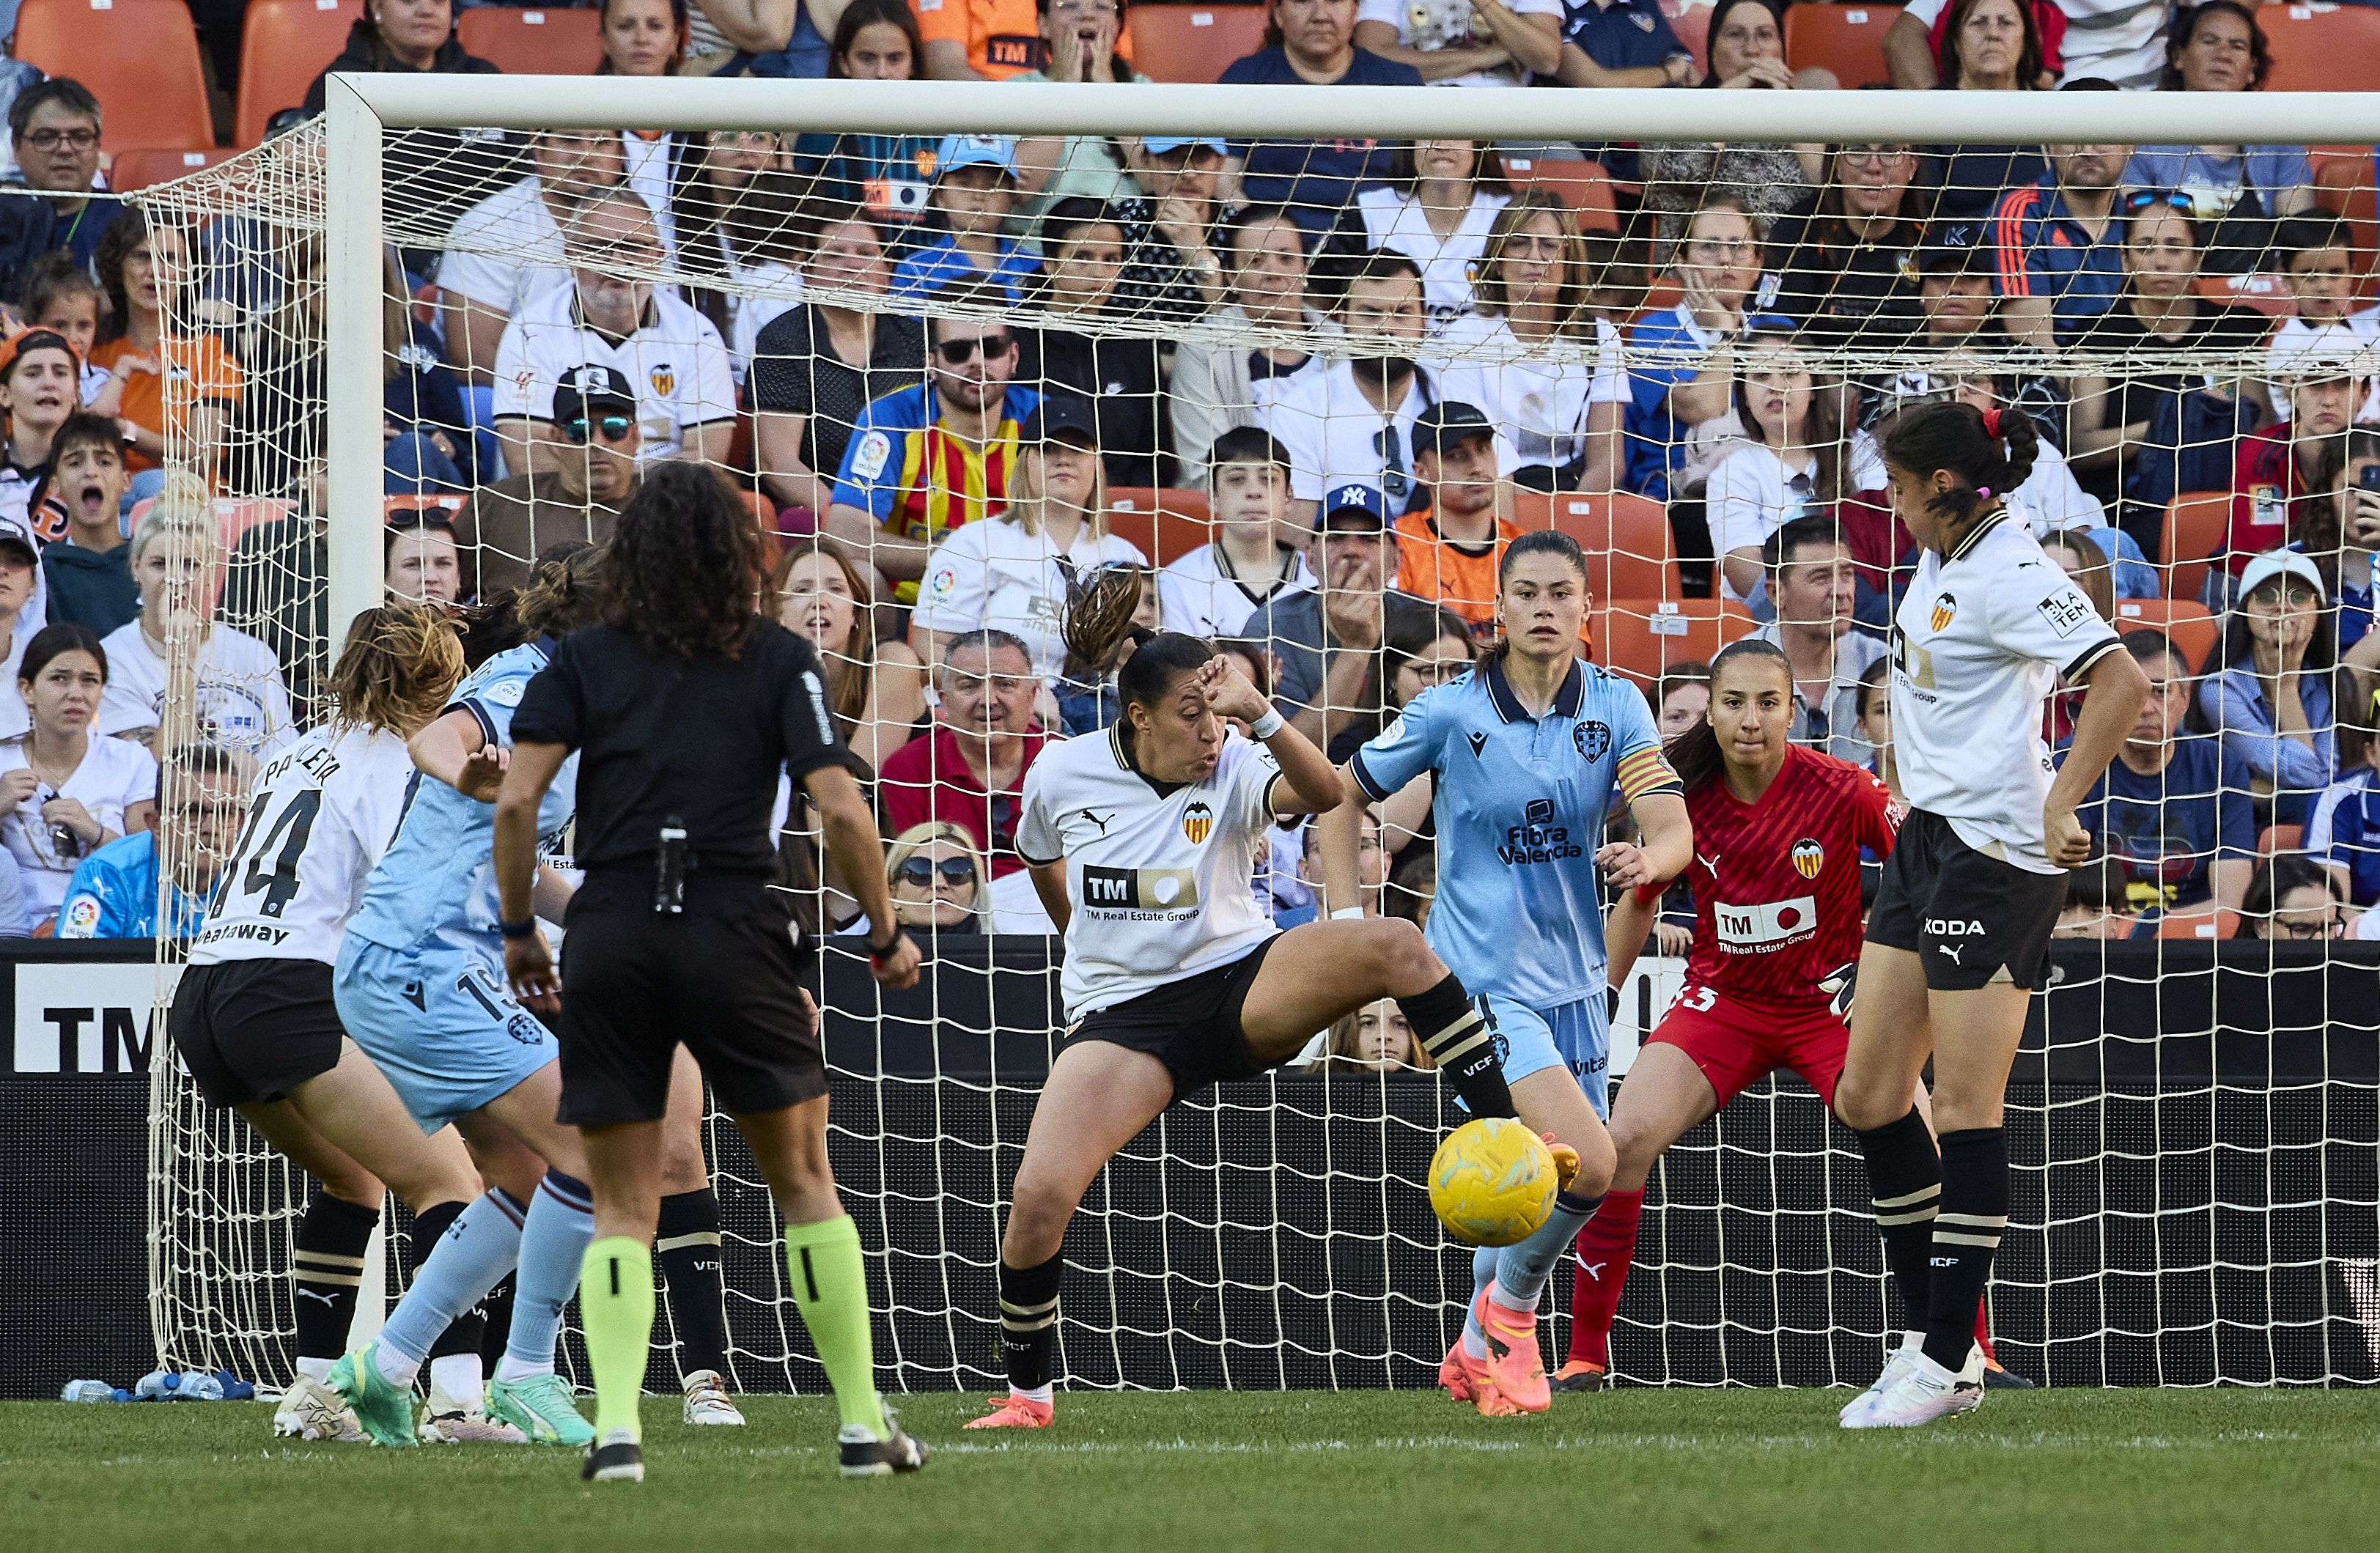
[{"x": 1988, "y": 451}]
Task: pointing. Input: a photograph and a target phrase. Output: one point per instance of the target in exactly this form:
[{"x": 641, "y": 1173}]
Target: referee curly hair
[{"x": 684, "y": 706}]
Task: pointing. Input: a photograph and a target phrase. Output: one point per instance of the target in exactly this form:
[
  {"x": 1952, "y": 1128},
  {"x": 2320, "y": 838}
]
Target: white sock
[
  {"x": 1042, "y": 1394},
  {"x": 394, "y": 1367},
  {"x": 316, "y": 1369},
  {"x": 509, "y": 1369},
  {"x": 458, "y": 1377}
]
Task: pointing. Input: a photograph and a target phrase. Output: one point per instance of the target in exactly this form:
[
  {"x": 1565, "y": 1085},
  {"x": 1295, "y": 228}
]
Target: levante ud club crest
[
  {"x": 1197, "y": 823},
  {"x": 1808, "y": 857}
]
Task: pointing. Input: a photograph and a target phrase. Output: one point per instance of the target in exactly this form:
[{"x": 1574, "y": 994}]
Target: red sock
[
  {"x": 1606, "y": 1247},
  {"x": 1984, "y": 1331}
]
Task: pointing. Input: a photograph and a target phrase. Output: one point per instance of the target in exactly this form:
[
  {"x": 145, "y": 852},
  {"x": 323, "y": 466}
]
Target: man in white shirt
[
  {"x": 609, "y": 316},
  {"x": 1352, "y": 423},
  {"x": 1812, "y": 580},
  {"x": 507, "y": 248}
]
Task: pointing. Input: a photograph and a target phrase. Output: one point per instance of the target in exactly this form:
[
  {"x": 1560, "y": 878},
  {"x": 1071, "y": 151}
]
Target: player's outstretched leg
[
  {"x": 1097, "y": 1097},
  {"x": 560, "y": 1221},
  {"x": 478, "y": 1247}
]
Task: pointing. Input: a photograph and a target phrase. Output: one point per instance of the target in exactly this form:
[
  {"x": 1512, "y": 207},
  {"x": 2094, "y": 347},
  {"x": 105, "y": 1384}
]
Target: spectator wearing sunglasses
[
  {"x": 939, "y": 454},
  {"x": 936, "y": 880},
  {"x": 54, "y": 127},
  {"x": 1353, "y": 421},
  {"x": 504, "y": 527},
  {"x": 672, "y": 357}
]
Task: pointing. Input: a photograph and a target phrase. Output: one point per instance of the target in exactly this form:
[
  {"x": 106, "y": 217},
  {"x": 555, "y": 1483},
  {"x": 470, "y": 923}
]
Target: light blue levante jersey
[
  {"x": 437, "y": 882},
  {"x": 1520, "y": 803}
]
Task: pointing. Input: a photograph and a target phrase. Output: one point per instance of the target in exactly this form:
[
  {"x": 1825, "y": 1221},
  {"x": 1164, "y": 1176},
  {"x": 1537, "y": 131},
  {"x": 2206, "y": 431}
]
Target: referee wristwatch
[{"x": 877, "y": 956}]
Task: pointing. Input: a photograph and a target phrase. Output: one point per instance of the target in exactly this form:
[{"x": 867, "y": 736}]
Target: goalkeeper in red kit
[{"x": 1778, "y": 830}]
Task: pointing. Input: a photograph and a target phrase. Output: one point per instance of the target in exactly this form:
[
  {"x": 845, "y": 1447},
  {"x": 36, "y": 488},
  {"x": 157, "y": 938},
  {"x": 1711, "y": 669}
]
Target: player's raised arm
[{"x": 1307, "y": 783}]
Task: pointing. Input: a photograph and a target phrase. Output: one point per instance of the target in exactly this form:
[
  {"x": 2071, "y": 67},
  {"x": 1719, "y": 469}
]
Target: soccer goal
[{"x": 1680, "y": 316}]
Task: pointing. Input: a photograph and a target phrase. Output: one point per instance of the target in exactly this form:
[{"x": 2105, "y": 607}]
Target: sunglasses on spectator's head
[
  {"x": 919, "y": 872},
  {"x": 958, "y": 352},
  {"x": 2142, "y": 199},
  {"x": 611, "y": 426},
  {"x": 436, "y": 520}
]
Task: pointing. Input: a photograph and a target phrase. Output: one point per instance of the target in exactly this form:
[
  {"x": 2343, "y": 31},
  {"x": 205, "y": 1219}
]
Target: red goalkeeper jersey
[{"x": 1776, "y": 883}]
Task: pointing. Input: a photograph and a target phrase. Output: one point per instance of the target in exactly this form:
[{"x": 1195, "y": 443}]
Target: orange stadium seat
[
  {"x": 1192, "y": 43},
  {"x": 2196, "y": 524},
  {"x": 285, "y": 45},
  {"x": 1641, "y": 637},
  {"x": 139, "y": 59},
  {"x": 1165, "y": 523},
  {"x": 556, "y": 42},
  {"x": 2321, "y": 48},
  {"x": 2199, "y": 922},
  {"x": 2279, "y": 838},
  {"x": 2265, "y": 293},
  {"x": 1581, "y": 184},
  {"x": 1692, "y": 25},
  {"x": 445, "y": 503},
  {"x": 1631, "y": 552},
  {"x": 1848, "y": 40},
  {"x": 128, "y": 170},
  {"x": 2186, "y": 624}
]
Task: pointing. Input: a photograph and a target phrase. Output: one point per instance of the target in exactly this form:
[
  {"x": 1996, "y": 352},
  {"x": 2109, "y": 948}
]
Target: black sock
[
  {"x": 1966, "y": 1232},
  {"x": 687, "y": 1249},
  {"x": 327, "y": 1266},
  {"x": 467, "y": 1332},
  {"x": 496, "y": 1311},
  {"x": 1459, "y": 1041},
  {"x": 1904, "y": 1178},
  {"x": 1028, "y": 1321}
]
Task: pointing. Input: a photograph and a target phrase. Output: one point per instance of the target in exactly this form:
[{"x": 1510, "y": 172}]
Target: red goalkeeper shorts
[{"x": 1735, "y": 1043}]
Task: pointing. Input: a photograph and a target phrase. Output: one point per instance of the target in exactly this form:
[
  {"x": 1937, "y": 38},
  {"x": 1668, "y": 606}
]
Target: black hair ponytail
[
  {"x": 1098, "y": 620},
  {"x": 1990, "y": 451},
  {"x": 1695, "y": 755}
]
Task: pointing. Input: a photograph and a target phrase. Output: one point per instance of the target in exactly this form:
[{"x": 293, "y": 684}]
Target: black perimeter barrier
[{"x": 2191, "y": 1208}]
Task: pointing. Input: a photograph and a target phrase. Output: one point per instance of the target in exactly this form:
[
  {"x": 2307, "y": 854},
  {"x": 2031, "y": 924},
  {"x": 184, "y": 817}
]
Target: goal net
[{"x": 1668, "y": 324}]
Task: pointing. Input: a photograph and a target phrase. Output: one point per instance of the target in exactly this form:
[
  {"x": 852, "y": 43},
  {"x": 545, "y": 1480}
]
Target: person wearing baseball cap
[
  {"x": 2276, "y": 469},
  {"x": 1449, "y": 548},
  {"x": 1172, "y": 267},
  {"x": 504, "y": 527},
  {"x": 2270, "y": 700},
  {"x": 1329, "y": 639},
  {"x": 976, "y": 185}
]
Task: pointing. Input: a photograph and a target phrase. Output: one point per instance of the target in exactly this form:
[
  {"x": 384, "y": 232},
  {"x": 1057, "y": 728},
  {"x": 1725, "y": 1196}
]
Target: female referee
[
  {"x": 1959, "y": 935},
  {"x": 254, "y": 1021},
  {"x": 1142, "y": 843},
  {"x": 683, "y": 706},
  {"x": 1526, "y": 753}
]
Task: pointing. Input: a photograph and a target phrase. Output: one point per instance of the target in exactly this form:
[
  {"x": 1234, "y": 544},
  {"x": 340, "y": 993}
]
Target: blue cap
[
  {"x": 1361, "y": 502},
  {"x": 975, "y": 151},
  {"x": 1157, "y": 145}
]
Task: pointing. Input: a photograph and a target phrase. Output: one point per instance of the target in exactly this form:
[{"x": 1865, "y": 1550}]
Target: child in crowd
[
  {"x": 89, "y": 571},
  {"x": 1258, "y": 552},
  {"x": 2318, "y": 260},
  {"x": 975, "y": 188}
]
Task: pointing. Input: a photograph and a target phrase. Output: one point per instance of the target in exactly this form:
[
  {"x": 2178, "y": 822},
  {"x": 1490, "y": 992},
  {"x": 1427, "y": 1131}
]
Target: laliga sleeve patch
[
  {"x": 504, "y": 692},
  {"x": 875, "y": 452},
  {"x": 80, "y": 920},
  {"x": 944, "y": 583}
]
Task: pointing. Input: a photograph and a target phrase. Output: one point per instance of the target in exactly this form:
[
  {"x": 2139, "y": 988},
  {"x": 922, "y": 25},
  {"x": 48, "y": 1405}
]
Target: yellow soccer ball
[{"x": 1492, "y": 1182}]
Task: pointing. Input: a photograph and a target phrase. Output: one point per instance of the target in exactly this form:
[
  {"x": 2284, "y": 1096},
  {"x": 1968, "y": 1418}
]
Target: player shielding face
[
  {"x": 1959, "y": 935},
  {"x": 1778, "y": 830},
  {"x": 1143, "y": 847},
  {"x": 1526, "y": 756}
]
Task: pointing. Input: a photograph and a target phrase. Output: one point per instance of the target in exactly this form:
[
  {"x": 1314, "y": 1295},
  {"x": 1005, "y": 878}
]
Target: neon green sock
[
  {"x": 615, "y": 1305},
  {"x": 830, "y": 1285}
]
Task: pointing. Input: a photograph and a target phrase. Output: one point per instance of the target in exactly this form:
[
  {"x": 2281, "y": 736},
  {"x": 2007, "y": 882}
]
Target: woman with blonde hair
[
  {"x": 876, "y": 690},
  {"x": 937, "y": 879},
  {"x": 1013, "y": 573},
  {"x": 1533, "y": 358},
  {"x": 225, "y": 684}
]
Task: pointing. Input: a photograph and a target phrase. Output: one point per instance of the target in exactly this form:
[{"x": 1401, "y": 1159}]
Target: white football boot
[
  {"x": 1894, "y": 1363},
  {"x": 310, "y": 1410},
  {"x": 1923, "y": 1392},
  {"x": 707, "y": 1401}
]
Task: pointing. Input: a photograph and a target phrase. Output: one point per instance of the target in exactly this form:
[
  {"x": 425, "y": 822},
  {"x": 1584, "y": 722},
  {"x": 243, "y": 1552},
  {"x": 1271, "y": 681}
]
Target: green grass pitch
[{"x": 1384, "y": 1472}]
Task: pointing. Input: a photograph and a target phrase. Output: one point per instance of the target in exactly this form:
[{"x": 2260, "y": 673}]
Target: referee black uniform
[{"x": 677, "y": 939}]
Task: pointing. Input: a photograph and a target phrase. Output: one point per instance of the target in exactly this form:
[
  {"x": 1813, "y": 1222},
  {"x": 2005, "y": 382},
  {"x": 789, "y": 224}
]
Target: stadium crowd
[{"x": 1368, "y": 365}]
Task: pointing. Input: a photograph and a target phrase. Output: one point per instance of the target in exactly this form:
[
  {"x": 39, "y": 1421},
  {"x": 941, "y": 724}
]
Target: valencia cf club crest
[
  {"x": 1197, "y": 823},
  {"x": 1593, "y": 739},
  {"x": 664, "y": 379},
  {"x": 1808, "y": 857},
  {"x": 1946, "y": 610}
]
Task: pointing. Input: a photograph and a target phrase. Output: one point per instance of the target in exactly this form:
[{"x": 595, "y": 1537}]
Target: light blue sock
[
  {"x": 1482, "y": 1273},
  {"x": 553, "y": 1246},
  {"x": 478, "y": 1248},
  {"x": 1521, "y": 1270}
]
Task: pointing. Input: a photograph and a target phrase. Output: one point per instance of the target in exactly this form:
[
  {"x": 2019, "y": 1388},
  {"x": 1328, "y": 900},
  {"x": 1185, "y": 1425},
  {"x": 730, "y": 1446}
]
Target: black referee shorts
[
  {"x": 1191, "y": 1025},
  {"x": 252, "y": 1030},
  {"x": 637, "y": 984},
  {"x": 1970, "y": 920}
]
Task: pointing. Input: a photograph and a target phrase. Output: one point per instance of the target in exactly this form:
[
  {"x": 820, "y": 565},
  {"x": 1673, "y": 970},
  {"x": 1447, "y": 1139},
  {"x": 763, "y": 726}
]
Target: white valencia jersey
[
  {"x": 1160, "y": 880},
  {"x": 1980, "y": 638},
  {"x": 321, "y": 814}
]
